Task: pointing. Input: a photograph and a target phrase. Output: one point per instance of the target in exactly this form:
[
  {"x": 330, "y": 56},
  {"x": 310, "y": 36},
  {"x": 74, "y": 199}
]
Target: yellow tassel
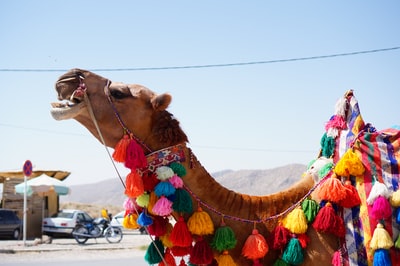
[
  {"x": 349, "y": 164},
  {"x": 225, "y": 259},
  {"x": 395, "y": 198},
  {"x": 152, "y": 201},
  {"x": 381, "y": 238},
  {"x": 296, "y": 221},
  {"x": 165, "y": 238},
  {"x": 129, "y": 221},
  {"x": 200, "y": 223}
]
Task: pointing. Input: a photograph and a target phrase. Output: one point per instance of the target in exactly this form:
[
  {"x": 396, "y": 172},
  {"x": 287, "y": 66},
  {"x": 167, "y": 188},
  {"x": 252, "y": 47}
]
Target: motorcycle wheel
[
  {"x": 113, "y": 234},
  {"x": 80, "y": 229}
]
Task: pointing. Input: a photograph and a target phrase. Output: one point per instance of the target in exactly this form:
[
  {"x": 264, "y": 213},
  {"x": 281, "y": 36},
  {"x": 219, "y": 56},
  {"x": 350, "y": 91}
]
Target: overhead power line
[{"x": 211, "y": 65}]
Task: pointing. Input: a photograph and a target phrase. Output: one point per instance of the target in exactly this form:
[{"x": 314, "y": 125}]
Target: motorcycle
[{"x": 97, "y": 228}]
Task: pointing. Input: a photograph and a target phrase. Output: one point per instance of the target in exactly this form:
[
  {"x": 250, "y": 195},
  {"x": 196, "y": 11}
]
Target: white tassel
[
  {"x": 332, "y": 132},
  {"x": 378, "y": 189},
  {"x": 340, "y": 107}
]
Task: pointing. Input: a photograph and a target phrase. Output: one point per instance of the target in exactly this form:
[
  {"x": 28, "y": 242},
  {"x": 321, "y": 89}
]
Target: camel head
[{"x": 91, "y": 99}]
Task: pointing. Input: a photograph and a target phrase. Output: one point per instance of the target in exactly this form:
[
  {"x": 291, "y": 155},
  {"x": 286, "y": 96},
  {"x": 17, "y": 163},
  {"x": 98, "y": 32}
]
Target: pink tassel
[
  {"x": 176, "y": 181},
  {"x": 257, "y": 262},
  {"x": 381, "y": 209},
  {"x": 336, "y": 121},
  {"x": 337, "y": 259},
  {"x": 163, "y": 207},
  {"x": 135, "y": 157}
]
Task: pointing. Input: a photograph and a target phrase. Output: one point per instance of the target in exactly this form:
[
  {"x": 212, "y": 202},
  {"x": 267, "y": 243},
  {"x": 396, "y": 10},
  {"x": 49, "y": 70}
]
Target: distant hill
[{"x": 254, "y": 182}]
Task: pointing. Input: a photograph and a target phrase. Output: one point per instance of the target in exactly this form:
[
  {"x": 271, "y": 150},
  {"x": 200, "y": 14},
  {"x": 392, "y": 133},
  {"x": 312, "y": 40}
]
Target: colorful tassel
[
  {"x": 176, "y": 181},
  {"x": 165, "y": 239},
  {"x": 296, "y": 221},
  {"x": 336, "y": 121},
  {"x": 200, "y": 223},
  {"x": 225, "y": 259},
  {"x": 168, "y": 258},
  {"x": 378, "y": 189},
  {"x": 131, "y": 206},
  {"x": 134, "y": 185},
  {"x": 281, "y": 237},
  {"x": 327, "y": 146},
  {"x": 144, "y": 219},
  {"x": 150, "y": 181},
  {"x": 143, "y": 200},
  {"x": 135, "y": 158},
  {"x": 337, "y": 258},
  {"x": 280, "y": 262},
  {"x": 119, "y": 154},
  {"x": 182, "y": 202},
  {"x": 310, "y": 208},
  {"x": 382, "y": 257},
  {"x": 129, "y": 221},
  {"x": 164, "y": 173},
  {"x": 164, "y": 188},
  {"x": 352, "y": 198},
  {"x": 381, "y": 238},
  {"x": 381, "y": 209},
  {"x": 326, "y": 169},
  {"x": 182, "y": 262},
  {"x": 180, "y": 235},
  {"x": 178, "y": 169},
  {"x": 329, "y": 222},
  {"x": 304, "y": 240},
  {"x": 153, "y": 255},
  {"x": 349, "y": 164},
  {"x": 158, "y": 227},
  {"x": 224, "y": 238},
  {"x": 395, "y": 198},
  {"x": 397, "y": 215},
  {"x": 397, "y": 243},
  {"x": 255, "y": 246},
  {"x": 163, "y": 207},
  {"x": 201, "y": 253},
  {"x": 152, "y": 201},
  {"x": 181, "y": 251},
  {"x": 332, "y": 190},
  {"x": 293, "y": 253}
]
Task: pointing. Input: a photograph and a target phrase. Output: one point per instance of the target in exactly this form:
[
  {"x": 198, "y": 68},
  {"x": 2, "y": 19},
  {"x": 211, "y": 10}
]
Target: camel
[{"x": 111, "y": 109}]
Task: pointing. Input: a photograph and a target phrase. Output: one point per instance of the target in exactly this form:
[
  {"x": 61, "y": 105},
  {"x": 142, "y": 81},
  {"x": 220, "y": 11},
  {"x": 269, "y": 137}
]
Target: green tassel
[
  {"x": 310, "y": 208},
  {"x": 182, "y": 202},
  {"x": 327, "y": 145},
  {"x": 178, "y": 169},
  {"x": 280, "y": 262},
  {"x": 224, "y": 239},
  {"x": 293, "y": 253},
  {"x": 152, "y": 256},
  {"x": 325, "y": 170},
  {"x": 397, "y": 243}
]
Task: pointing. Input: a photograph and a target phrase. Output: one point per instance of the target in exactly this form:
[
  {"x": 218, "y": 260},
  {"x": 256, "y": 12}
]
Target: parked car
[
  {"x": 10, "y": 224},
  {"x": 64, "y": 222},
  {"x": 118, "y": 219}
]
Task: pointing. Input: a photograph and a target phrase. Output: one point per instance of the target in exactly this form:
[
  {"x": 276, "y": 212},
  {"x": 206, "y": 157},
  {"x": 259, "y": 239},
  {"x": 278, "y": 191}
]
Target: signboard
[{"x": 27, "y": 168}]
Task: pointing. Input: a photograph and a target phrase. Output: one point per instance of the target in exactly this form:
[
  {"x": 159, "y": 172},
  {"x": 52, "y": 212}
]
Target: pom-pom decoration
[
  {"x": 349, "y": 164},
  {"x": 150, "y": 181},
  {"x": 164, "y": 173},
  {"x": 293, "y": 253},
  {"x": 183, "y": 202},
  {"x": 131, "y": 206},
  {"x": 119, "y": 154},
  {"x": 296, "y": 221},
  {"x": 200, "y": 223},
  {"x": 144, "y": 219},
  {"x": 143, "y": 200},
  {"x": 255, "y": 246},
  {"x": 163, "y": 207},
  {"x": 332, "y": 190},
  {"x": 176, "y": 181},
  {"x": 381, "y": 209},
  {"x": 178, "y": 169},
  {"x": 310, "y": 208},
  {"x": 164, "y": 188},
  {"x": 135, "y": 158},
  {"x": 381, "y": 238},
  {"x": 378, "y": 189},
  {"x": 134, "y": 184}
]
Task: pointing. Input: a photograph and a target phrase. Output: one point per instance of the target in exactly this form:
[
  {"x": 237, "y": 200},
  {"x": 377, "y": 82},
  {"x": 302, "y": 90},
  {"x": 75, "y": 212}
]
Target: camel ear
[{"x": 161, "y": 102}]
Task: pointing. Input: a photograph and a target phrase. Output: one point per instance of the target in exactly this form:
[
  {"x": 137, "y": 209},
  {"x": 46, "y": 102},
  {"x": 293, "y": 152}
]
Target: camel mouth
[{"x": 67, "y": 109}]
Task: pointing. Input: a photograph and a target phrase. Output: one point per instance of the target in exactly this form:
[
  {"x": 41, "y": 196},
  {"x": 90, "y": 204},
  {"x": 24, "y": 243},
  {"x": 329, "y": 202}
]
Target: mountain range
[{"x": 253, "y": 182}]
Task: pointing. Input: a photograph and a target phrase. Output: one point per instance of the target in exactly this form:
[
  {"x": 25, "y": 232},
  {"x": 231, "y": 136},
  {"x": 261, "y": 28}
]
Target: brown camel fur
[{"x": 144, "y": 114}]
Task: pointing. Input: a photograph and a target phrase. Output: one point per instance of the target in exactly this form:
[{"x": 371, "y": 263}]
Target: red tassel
[
  {"x": 180, "y": 235},
  {"x": 255, "y": 246},
  {"x": 381, "y": 209},
  {"x": 329, "y": 222},
  {"x": 158, "y": 227},
  {"x": 281, "y": 237},
  {"x": 182, "y": 262},
  {"x": 257, "y": 263},
  {"x": 181, "y": 251},
  {"x": 135, "y": 157},
  {"x": 304, "y": 240},
  {"x": 119, "y": 154},
  {"x": 352, "y": 198},
  {"x": 150, "y": 181},
  {"x": 168, "y": 258},
  {"x": 337, "y": 259},
  {"x": 201, "y": 253},
  {"x": 134, "y": 185},
  {"x": 332, "y": 190}
]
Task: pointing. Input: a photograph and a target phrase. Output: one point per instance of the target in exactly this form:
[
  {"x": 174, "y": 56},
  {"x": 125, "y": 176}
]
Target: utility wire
[{"x": 210, "y": 65}]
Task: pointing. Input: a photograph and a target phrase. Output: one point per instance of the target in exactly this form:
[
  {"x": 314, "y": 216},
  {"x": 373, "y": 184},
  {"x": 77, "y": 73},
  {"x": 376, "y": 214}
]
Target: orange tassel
[
  {"x": 200, "y": 223},
  {"x": 225, "y": 259},
  {"x": 134, "y": 185},
  {"x": 255, "y": 246},
  {"x": 332, "y": 190},
  {"x": 119, "y": 154}
]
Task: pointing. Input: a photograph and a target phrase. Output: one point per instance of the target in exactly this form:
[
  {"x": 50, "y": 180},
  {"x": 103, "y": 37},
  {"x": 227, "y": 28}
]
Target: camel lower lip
[{"x": 63, "y": 111}]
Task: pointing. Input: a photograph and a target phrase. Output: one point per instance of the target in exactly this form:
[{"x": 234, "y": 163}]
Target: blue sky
[{"x": 241, "y": 117}]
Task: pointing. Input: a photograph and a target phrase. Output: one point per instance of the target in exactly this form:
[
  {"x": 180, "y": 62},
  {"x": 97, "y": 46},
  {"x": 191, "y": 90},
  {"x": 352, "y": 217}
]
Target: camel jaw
[{"x": 68, "y": 110}]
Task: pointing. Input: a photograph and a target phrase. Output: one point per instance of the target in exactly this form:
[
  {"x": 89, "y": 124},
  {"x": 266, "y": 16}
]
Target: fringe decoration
[
  {"x": 200, "y": 223},
  {"x": 201, "y": 253},
  {"x": 152, "y": 256},
  {"x": 176, "y": 181},
  {"x": 378, "y": 189},
  {"x": 144, "y": 219},
  {"x": 280, "y": 262},
  {"x": 296, "y": 221},
  {"x": 178, "y": 169},
  {"x": 293, "y": 253},
  {"x": 381, "y": 208},
  {"x": 134, "y": 184},
  {"x": 158, "y": 227},
  {"x": 180, "y": 235},
  {"x": 182, "y": 202},
  {"x": 119, "y": 154},
  {"x": 310, "y": 208},
  {"x": 163, "y": 207},
  {"x": 281, "y": 237},
  {"x": 352, "y": 198},
  {"x": 224, "y": 238},
  {"x": 382, "y": 257},
  {"x": 381, "y": 238},
  {"x": 143, "y": 200},
  {"x": 135, "y": 158},
  {"x": 225, "y": 259},
  {"x": 332, "y": 190},
  {"x": 164, "y": 188},
  {"x": 329, "y": 222},
  {"x": 255, "y": 246},
  {"x": 164, "y": 173},
  {"x": 168, "y": 258},
  {"x": 337, "y": 258}
]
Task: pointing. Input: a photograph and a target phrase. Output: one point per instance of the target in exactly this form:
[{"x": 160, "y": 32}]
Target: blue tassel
[
  {"x": 397, "y": 215},
  {"x": 164, "y": 188},
  {"x": 382, "y": 258},
  {"x": 144, "y": 219}
]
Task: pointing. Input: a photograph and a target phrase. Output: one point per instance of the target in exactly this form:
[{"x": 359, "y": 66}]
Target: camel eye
[{"x": 117, "y": 94}]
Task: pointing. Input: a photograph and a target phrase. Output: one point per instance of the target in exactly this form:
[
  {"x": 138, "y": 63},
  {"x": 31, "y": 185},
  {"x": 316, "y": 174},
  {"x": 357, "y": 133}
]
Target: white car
[{"x": 64, "y": 222}]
